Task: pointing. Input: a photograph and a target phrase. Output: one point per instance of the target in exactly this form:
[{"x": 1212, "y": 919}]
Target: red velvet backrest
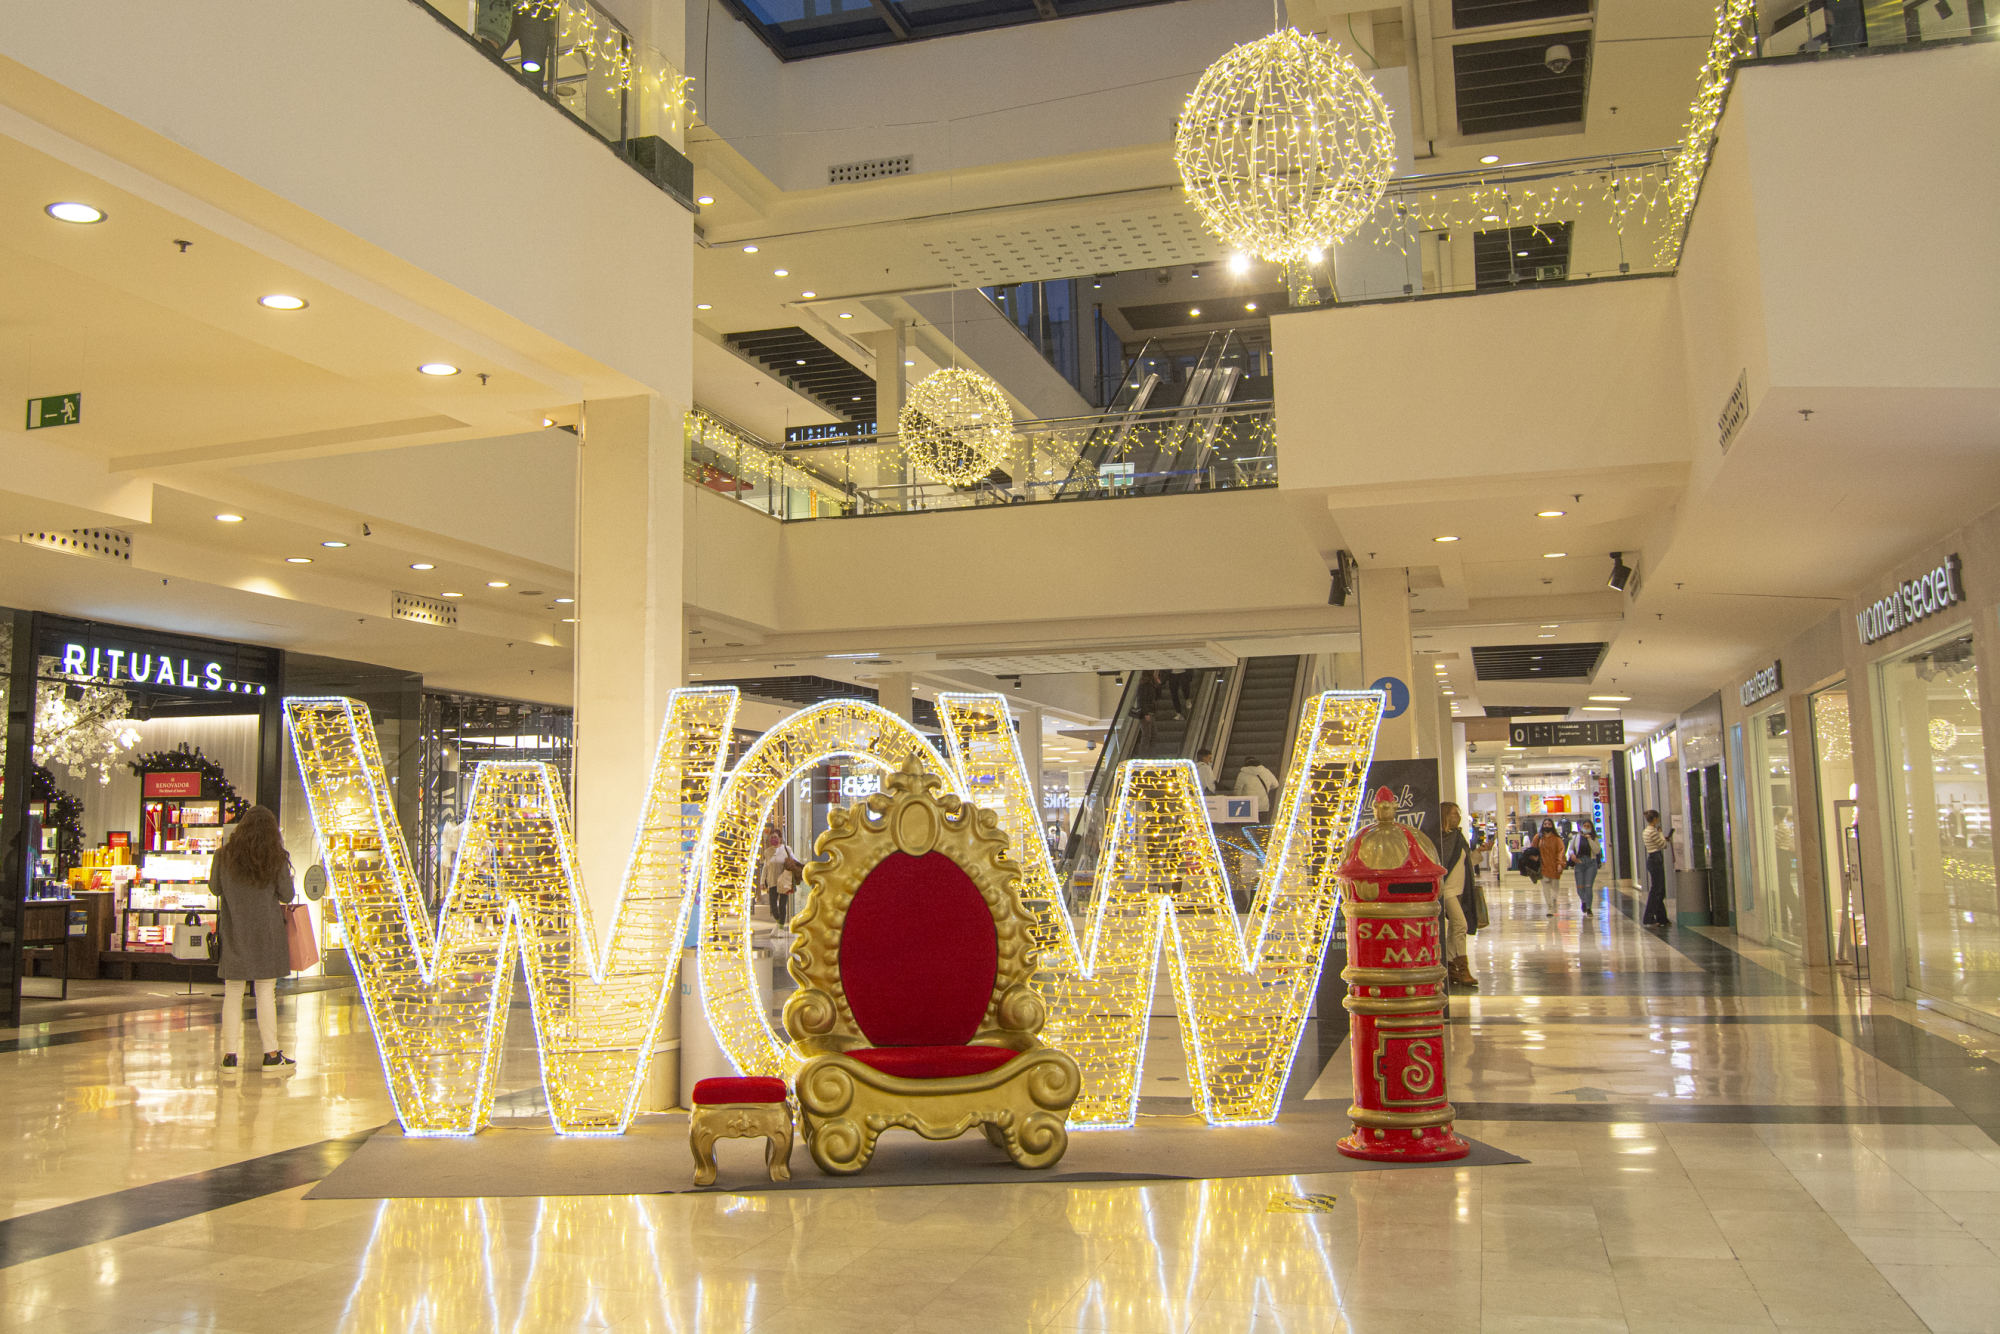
[{"x": 918, "y": 953}]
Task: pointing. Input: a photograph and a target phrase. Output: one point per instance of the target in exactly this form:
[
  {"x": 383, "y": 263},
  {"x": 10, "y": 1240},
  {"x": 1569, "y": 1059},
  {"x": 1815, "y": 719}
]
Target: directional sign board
[
  {"x": 55, "y": 410},
  {"x": 1585, "y": 732}
]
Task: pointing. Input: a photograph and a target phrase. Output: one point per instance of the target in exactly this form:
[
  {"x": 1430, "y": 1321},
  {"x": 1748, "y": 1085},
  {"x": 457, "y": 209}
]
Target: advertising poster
[{"x": 1415, "y": 785}]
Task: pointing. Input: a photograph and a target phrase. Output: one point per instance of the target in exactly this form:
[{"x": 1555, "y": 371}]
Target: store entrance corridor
[{"x": 1714, "y": 1141}]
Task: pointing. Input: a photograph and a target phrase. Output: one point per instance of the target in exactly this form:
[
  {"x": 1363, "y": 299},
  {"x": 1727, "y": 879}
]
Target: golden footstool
[{"x": 740, "y": 1108}]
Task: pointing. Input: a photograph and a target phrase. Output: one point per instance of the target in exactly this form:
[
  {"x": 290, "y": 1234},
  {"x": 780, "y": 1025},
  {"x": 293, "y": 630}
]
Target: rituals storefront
[{"x": 1865, "y": 783}]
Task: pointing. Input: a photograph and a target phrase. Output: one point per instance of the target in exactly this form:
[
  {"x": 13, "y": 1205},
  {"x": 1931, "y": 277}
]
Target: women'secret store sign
[{"x": 1914, "y": 601}]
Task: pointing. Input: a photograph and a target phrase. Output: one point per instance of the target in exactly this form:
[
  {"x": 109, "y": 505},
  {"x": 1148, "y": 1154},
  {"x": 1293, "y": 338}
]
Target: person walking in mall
[
  {"x": 779, "y": 873},
  {"x": 252, "y": 875},
  {"x": 1656, "y": 873},
  {"x": 1254, "y": 780},
  {"x": 1554, "y": 854},
  {"x": 1583, "y": 855},
  {"x": 1455, "y": 855}
]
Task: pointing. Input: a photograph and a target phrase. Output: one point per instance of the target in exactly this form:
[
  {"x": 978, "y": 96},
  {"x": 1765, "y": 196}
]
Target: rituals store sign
[{"x": 1913, "y": 601}]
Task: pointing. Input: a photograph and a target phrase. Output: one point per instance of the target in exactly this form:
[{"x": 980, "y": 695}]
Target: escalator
[
  {"x": 1149, "y": 445},
  {"x": 1237, "y": 712}
]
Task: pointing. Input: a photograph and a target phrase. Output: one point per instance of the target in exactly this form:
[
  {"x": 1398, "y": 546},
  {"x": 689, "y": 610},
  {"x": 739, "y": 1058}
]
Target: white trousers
[
  {"x": 232, "y": 1014},
  {"x": 1454, "y": 925},
  {"x": 1551, "y": 891}
]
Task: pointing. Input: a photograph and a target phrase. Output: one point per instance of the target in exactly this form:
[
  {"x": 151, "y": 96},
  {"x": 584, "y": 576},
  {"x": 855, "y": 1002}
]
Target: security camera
[
  {"x": 1556, "y": 58},
  {"x": 1472, "y": 748}
]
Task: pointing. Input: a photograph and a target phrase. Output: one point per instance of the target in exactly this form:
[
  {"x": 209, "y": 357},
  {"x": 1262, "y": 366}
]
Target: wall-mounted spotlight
[{"x": 1621, "y": 573}]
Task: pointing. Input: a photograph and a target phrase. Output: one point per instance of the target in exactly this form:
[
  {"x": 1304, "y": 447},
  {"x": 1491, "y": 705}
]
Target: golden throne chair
[{"x": 913, "y": 956}]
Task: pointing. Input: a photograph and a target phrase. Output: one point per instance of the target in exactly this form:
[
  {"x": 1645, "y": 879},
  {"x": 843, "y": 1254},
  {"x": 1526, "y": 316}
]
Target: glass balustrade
[
  {"x": 583, "y": 59},
  {"x": 1506, "y": 226},
  {"x": 1148, "y": 452}
]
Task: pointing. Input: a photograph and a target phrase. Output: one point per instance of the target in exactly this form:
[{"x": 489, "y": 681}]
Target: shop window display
[
  {"x": 1839, "y": 827},
  {"x": 1940, "y": 824},
  {"x": 1777, "y": 829}
]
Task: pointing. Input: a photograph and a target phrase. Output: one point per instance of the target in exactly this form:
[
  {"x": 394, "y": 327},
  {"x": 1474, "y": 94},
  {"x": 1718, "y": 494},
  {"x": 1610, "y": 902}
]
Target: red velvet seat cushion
[
  {"x": 934, "y": 1062},
  {"x": 741, "y": 1088},
  {"x": 918, "y": 953}
]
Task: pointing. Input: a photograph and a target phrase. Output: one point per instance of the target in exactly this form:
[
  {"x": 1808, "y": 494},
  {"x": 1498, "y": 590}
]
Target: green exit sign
[{"x": 55, "y": 410}]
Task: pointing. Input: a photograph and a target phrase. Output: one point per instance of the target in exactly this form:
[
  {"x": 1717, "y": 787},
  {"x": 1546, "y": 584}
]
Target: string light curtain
[
  {"x": 1735, "y": 38},
  {"x": 1284, "y": 148}
]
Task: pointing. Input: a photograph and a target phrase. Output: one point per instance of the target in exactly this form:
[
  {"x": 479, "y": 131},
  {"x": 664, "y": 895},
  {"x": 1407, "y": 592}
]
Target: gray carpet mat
[{"x": 653, "y": 1159}]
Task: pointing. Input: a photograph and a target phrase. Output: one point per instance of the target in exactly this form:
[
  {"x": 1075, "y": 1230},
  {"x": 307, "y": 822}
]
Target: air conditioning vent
[
  {"x": 113, "y": 544},
  {"x": 874, "y": 169},
  {"x": 422, "y": 610}
]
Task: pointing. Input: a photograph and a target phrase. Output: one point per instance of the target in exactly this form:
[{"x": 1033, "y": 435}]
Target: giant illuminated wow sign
[{"x": 437, "y": 993}]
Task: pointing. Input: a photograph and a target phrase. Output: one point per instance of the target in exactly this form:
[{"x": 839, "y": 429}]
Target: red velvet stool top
[{"x": 738, "y": 1088}]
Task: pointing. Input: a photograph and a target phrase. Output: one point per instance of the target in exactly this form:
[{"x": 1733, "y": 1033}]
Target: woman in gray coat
[{"x": 252, "y": 876}]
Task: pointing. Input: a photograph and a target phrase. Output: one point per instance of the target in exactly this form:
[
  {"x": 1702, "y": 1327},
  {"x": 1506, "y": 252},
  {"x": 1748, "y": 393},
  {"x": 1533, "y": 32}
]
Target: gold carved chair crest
[{"x": 912, "y": 956}]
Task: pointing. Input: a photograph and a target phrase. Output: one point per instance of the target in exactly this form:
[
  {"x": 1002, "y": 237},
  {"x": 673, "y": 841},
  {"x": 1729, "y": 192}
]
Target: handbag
[
  {"x": 1479, "y": 896},
  {"x": 299, "y": 937}
]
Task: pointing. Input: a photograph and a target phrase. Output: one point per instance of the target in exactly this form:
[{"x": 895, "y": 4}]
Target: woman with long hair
[
  {"x": 252, "y": 877},
  {"x": 1554, "y": 854}
]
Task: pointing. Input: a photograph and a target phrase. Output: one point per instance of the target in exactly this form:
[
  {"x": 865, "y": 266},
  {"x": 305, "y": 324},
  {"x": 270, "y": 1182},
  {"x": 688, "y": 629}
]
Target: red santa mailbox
[{"x": 1395, "y": 991}]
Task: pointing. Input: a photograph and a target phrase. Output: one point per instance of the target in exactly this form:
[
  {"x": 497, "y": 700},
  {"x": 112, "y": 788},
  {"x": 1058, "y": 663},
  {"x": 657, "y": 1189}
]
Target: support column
[
  {"x": 1385, "y": 652},
  {"x": 1426, "y": 704},
  {"x": 894, "y": 694},
  {"x": 630, "y": 644},
  {"x": 890, "y": 348},
  {"x": 1030, "y": 734}
]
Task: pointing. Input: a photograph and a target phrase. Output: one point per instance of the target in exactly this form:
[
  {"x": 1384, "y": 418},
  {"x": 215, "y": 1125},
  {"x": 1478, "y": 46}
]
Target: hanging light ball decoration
[
  {"x": 1285, "y": 147},
  {"x": 956, "y": 425}
]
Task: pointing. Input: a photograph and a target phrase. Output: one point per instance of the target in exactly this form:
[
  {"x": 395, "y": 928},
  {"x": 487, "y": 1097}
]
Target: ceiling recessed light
[
  {"x": 423, "y": 565},
  {"x": 279, "y": 301},
  {"x": 1552, "y": 626},
  {"x": 781, "y": 273},
  {"x": 68, "y": 212},
  {"x": 1550, "y": 514},
  {"x": 1520, "y": 254},
  {"x": 565, "y": 600},
  {"x": 569, "y": 620},
  {"x": 808, "y": 295},
  {"x": 496, "y": 583},
  {"x": 1195, "y": 311},
  {"x": 1554, "y": 555},
  {"x": 749, "y": 250},
  {"x": 333, "y": 544},
  {"x": 1449, "y": 692},
  {"x": 298, "y": 560},
  {"x": 1490, "y": 158},
  {"x": 704, "y": 199},
  {"x": 451, "y": 595},
  {"x": 704, "y": 306},
  {"x": 845, "y": 316},
  {"x": 532, "y": 66},
  {"x": 802, "y": 361},
  {"x": 1598, "y": 708},
  {"x": 909, "y": 363},
  {"x": 438, "y": 368},
  {"x": 1446, "y": 538},
  {"x": 1249, "y": 305},
  {"x": 229, "y": 518},
  {"x": 1614, "y": 698},
  {"x": 1545, "y": 636}
]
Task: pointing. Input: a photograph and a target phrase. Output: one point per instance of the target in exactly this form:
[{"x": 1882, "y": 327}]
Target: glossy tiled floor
[{"x": 1716, "y": 1144}]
